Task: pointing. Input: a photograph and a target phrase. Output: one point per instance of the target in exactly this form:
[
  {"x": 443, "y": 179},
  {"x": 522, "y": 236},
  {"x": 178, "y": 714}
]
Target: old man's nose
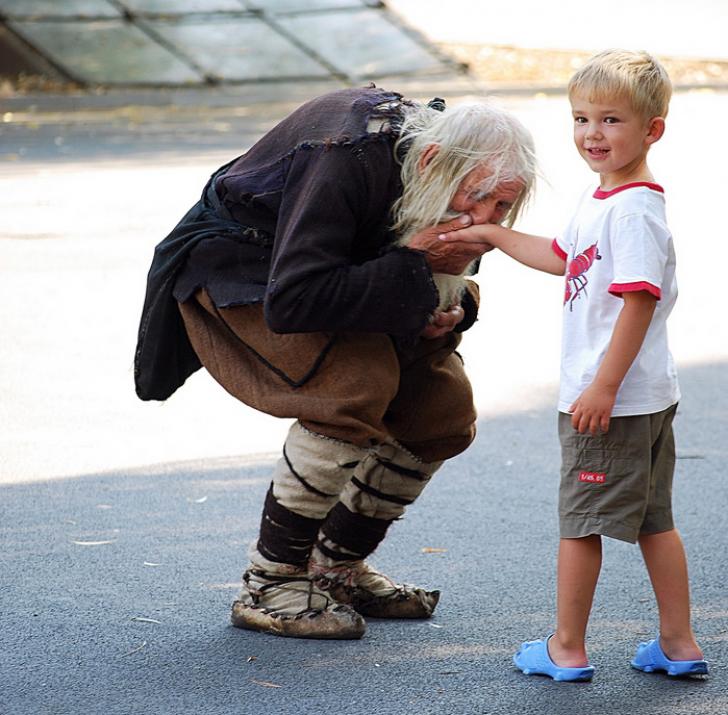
[{"x": 484, "y": 212}]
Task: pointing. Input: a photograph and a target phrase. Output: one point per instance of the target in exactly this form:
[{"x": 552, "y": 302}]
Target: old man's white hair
[{"x": 469, "y": 136}]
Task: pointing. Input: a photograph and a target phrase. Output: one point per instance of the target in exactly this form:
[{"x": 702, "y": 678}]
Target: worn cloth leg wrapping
[
  {"x": 307, "y": 482},
  {"x": 278, "y": 595},
  {"x": 383, "y": 485}
]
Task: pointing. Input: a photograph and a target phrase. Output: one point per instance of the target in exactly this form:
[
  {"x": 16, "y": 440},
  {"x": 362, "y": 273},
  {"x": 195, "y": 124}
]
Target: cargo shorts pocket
[{"x": 601, "y": 482}]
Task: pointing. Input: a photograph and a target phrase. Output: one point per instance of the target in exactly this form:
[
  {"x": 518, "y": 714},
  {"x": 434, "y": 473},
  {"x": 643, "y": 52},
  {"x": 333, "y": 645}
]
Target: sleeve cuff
[
  {"x": 619, "y": 288},
  {"x": 558, "y": 250}
]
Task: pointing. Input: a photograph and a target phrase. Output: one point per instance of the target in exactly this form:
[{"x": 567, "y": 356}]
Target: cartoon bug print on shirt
[{"x": 576, "y": 269}]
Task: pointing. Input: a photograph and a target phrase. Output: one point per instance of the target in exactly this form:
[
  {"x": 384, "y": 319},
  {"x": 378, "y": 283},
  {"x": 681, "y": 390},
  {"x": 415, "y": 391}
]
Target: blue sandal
[
  {"x": 533, "y": 658},
  {"x": 650, "y": 658}
]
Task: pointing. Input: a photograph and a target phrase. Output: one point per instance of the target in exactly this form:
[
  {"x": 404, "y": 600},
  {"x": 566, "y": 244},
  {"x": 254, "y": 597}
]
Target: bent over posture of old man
[{"x": 305, "y": 280}]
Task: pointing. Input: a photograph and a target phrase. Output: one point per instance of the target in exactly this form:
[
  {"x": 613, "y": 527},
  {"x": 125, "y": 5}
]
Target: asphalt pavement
[
  {"x": 124, "y": 525},
  {"x": 117, "y": 586}
]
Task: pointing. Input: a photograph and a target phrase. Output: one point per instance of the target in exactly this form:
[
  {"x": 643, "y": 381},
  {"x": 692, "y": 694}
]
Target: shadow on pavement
[{"x": 116, "y": 589}]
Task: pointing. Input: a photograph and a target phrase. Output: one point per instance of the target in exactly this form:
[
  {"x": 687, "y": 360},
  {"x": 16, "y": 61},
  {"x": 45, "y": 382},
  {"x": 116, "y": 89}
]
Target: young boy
[{"x": 619, "y": 388}]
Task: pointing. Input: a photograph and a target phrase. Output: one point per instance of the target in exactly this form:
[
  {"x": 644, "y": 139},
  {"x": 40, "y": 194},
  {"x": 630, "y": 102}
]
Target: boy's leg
[
  {"x": 580, "y": 561},
  {"x": 664, "y": 557},
  {"x": 603, "y": 492},
  {"x": 662, "y": 547}
]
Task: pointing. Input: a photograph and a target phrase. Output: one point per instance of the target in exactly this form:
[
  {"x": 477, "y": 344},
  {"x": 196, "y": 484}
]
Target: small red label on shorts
[{"x": 593, "y": 477}]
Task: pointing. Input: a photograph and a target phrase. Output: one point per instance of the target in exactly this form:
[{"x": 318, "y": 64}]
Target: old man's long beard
[{"x": 423, "y": 208}]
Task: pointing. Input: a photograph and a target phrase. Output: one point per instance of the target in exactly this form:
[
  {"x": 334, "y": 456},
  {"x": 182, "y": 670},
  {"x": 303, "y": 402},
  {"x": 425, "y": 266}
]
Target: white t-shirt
[{"x": 618, "y": 241}]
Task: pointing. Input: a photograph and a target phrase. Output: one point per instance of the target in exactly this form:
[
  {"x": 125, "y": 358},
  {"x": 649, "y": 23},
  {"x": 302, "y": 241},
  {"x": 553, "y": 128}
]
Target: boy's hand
[
  {"x": 481, "y": 234},
  {"x": 592, "y": 410},
  {"x": 443, "y": 258},
  {"x": 443, "y": 322}
]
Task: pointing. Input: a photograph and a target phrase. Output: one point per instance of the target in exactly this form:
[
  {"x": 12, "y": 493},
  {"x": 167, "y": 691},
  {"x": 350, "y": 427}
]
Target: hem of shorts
[
  {"x": 654, "y": 530},
  {"x": 583, "y": 525},
  {"x": 664, "y": 521}
]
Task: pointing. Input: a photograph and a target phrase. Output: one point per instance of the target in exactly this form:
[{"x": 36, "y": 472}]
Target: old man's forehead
[
  {"x": 502, "y": 189},
  {"x": 510, "y": 187}
]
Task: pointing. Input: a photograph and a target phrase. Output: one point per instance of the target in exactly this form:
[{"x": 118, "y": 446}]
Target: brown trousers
[{"x": 355, "y": 387}]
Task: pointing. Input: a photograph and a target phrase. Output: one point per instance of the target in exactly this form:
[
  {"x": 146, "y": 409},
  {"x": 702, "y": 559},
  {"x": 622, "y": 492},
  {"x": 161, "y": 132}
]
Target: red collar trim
[{"x": 601, "y": 194}]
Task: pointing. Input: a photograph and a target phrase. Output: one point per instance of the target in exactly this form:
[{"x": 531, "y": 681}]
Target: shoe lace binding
[
  {"x": 343, "y": 574},
  {"x": 282, "y": 581},
  {"x": 354, "y": 576}
]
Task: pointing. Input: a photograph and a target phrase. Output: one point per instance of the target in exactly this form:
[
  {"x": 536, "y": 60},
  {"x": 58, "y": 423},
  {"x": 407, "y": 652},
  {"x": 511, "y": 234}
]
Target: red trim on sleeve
[
  {"x": 601, "y": 194},
  {"x": 558, "y": 250},
  {"x": 619, "y": 288}
]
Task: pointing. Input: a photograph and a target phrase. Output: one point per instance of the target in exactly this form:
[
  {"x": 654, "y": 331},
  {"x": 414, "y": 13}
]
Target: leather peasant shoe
[
  {"x": 371, "y": 593},
  {"x": 291, "y": 605}
]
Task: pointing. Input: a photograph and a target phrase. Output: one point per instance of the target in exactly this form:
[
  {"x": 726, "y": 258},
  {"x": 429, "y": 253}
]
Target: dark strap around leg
[
  {"x": 359, "y": 535},
  {"x": 286, "y": 537}
]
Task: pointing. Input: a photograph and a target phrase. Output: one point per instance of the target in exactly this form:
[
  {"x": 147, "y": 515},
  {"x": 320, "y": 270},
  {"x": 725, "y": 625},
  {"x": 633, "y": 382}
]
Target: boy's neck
[{"x": 638, "y": 171}]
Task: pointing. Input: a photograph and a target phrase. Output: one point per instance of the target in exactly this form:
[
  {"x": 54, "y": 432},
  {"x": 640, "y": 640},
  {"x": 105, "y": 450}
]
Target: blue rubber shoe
[
  {"x": 533, "y": 658},
  {"x": 650, "y": 658}
]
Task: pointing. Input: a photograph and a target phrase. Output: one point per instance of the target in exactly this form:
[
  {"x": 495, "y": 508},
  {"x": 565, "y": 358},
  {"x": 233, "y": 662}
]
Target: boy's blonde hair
[{"x": 635, "y": 76}]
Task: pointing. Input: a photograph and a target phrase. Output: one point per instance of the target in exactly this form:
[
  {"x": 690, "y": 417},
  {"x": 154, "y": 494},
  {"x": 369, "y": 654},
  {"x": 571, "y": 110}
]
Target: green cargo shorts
[{"x": 617, "y": 484}]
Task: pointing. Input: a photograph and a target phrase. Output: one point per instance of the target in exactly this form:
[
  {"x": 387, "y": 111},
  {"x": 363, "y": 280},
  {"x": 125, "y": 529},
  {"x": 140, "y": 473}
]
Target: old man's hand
[
  {"x": 443, "y": 322},
  {"x": 444, "y": 257}
]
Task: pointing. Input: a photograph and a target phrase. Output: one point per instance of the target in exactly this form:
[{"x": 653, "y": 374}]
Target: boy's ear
[
  {"x": 427, "y": 156},
  {"x": 655, "y": 129}
]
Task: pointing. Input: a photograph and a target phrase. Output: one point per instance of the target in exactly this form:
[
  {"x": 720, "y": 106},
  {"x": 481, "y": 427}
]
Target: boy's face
[{"x": 613, "y": 139}]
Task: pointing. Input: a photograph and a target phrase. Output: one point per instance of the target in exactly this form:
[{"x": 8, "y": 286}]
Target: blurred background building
[{"x": 72, "y": 44}]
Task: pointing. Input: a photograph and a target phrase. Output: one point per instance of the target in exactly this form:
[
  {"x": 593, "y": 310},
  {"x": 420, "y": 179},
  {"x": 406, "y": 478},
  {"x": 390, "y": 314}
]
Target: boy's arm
[
  {"x": 533, "y": 251},
  {"x": 593, "y": 408}
]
